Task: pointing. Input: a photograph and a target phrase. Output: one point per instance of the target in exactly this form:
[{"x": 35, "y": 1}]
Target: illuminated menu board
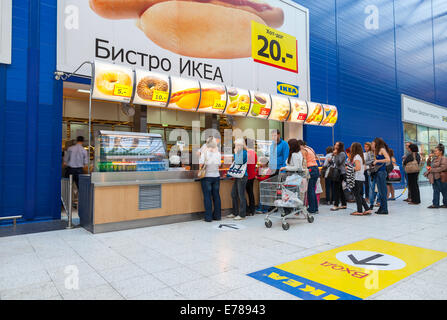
[
  {"x": 112, "y": 82},
  {"x": 213, "y": 98},
  {"x": 280, "y": 108},
  {"x": 185, "y": 94},
  {"x": 315, "y": 113},
  {"x": 238, "y": 102},
  {"x": 330, "y": 116},
  {"x": 152, "y": 89},
  {"x": 261, "y": 105},
  {"x": 298, "y": 111}
]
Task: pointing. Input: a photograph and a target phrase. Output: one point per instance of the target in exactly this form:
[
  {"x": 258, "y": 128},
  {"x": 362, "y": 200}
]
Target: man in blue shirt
[{"x": 279, "y": 152}]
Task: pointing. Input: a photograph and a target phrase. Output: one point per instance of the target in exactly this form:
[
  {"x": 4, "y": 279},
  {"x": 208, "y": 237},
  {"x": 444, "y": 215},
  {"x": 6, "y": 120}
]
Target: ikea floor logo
[{"x": 288, "y": 89}]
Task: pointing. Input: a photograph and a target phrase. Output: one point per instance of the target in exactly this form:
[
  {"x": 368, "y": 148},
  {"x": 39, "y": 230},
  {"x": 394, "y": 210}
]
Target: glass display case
[{"x": 129, "y": 152}]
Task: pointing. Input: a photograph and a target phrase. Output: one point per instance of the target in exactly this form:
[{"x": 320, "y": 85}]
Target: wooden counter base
[{"x": 120, "y": 203}]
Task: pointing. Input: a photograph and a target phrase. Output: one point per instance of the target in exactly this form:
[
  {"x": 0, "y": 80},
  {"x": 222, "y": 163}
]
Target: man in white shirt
[{"x": 76, "y": 159}]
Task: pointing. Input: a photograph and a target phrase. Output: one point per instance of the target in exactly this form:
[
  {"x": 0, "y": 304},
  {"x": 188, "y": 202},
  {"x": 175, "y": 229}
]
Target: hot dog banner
[
  {"x": 251, "y": 44},
  {"x": 330, "y": 116},
  {"x": 122, "y": 84}
]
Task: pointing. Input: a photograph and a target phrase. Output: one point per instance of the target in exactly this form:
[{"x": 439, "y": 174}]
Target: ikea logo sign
[{"x": 288, "y": 89}]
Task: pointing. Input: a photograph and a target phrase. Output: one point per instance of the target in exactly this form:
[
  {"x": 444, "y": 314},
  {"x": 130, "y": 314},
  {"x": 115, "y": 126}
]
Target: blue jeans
[
  {"x": 372, "y": 190},
  {"x": 383, "y": 191},
  {"x": 438, "y": 188},
  {"x": 311, "y": 195},
  {"x": 210, "y": 189}
]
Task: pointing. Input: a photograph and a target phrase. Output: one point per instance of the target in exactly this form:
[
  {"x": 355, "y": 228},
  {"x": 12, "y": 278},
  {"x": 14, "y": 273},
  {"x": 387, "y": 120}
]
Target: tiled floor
[{"x": 193, "y": 260}]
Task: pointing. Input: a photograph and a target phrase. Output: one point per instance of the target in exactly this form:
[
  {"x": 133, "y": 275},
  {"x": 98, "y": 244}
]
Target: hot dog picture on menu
[
  {"x": 315, "y": 113},
  {"x": 216, "y": 29},
  {"x": 213, "y": 98},
  {"x": 185, "y": 94},
  {"x": 330, "y": 116}
]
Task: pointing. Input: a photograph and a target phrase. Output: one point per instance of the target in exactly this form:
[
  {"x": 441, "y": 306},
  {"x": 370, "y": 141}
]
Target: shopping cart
[{"x": 282, "y": 192}]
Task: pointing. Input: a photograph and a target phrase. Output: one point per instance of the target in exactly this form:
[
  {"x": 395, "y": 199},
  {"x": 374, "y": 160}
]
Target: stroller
[{"x": 283, "y": 193}]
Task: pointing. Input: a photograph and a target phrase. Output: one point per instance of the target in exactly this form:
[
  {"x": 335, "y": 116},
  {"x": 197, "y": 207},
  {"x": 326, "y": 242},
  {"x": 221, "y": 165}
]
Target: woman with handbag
[
  {"x": 329, "y": 186},
  {"x": 434, "y": 175},
  {"x": 412, "y": 165},
  {"x": 210, "y": 161},
  {"x": 357, "y": 158},
  {"x": 389, "y": 185},
  {"x": 368, "y": 155},
  {"x": 338, "y": 174},
  {"x": 238, "y": 171},
  {"x": 382, "y": 158}
]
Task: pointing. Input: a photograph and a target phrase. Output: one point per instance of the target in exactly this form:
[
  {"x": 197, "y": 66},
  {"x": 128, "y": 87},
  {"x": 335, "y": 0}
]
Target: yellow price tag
[
  {"x": 160, "y": 96},
  {"x": 274, "y": 48},
  {"x": 122, "y": 90},
  {"x": 219, "y": 104},
  {"x": 243, "y": 107}
]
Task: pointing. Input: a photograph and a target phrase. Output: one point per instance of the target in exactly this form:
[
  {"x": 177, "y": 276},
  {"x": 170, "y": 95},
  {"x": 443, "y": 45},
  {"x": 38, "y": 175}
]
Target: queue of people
[{"x": 364, "y": 170}]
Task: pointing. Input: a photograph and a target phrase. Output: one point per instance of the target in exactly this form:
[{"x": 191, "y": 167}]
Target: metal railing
[
  {"x": 67, "y": 198},
  {"x": 13, "y": 218}
]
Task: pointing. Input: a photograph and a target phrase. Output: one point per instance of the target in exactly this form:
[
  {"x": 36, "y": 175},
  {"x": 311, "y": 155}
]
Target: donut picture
[
  {"x": 107, "y": 80},
  {"x": 195, "y": 28},
  {"x": 112, "y": 82},
  {"x": 239, "y": 102},
  {"x": 147, "y": 85}
]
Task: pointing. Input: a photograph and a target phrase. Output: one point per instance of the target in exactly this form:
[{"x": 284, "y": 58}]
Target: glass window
[
  {"x": 443, "y": 136},
  {"x": 160, "y": 131},
  {"x": 64, "y": 131},
  {"x": 123, "y": 128},
  {"x": 78, "y": 129},
  {"x": 422, "y": 134},
  {"x": 433, "y": 137},
  {"x": 410, "y": 132}
]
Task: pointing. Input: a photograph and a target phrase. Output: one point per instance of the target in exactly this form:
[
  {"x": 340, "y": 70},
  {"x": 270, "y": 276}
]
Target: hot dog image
[
  {"x": 316, "y": 113},
  {"x": 331, "y": 117},
  {"x": 216, "y": 29}
]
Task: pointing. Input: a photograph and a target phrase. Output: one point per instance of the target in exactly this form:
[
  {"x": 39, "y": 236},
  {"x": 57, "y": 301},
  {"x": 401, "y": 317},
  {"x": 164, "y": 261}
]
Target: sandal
[
  {"x": 344, "y": 207},
  {"x": 367, "y": 213},
  {"x": 335, "y": 208},
  {"x": 356, "y": 214}
]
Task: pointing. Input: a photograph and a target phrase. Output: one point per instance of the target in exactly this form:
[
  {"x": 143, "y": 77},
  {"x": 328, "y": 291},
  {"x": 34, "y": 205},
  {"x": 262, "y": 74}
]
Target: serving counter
[{"x": 114, "y": 201}]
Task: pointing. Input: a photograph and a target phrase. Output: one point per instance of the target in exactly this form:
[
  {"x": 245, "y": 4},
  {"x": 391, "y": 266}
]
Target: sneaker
[
  {"x": 231, "y": 216},
  {"x": 381, "y": 212},
  {"x": 239, "y": 218},
  {"x": 433, "y": 207}
]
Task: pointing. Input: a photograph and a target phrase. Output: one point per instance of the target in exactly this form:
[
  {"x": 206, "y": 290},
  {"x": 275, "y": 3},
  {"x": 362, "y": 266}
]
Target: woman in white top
[
  {"x": 358, "y": 159},
  {"x": 296, "y": 163},
  {"x": 210, "y": 157}
]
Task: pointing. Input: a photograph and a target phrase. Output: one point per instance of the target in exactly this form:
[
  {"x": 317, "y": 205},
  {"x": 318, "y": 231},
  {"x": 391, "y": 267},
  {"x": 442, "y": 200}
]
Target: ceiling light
[{"x": 83, "y": 91}]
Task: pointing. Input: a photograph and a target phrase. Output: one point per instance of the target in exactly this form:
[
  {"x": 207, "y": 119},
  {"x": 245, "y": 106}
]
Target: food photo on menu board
[
  {"x": 213, "y": 98},
  {"x": 261, "y": 105},
  {"x": 185, "y": 94},
  {"x": 152, "y": 88},
  {"x": 315, "y": 113},
  {"x": 280, "y": 108},
  {"x": 299, "y": 110},
  {"x": 112, "y": 82},
  {"x": 330, "y": 116},
  {"x": 238, "y": 102}
]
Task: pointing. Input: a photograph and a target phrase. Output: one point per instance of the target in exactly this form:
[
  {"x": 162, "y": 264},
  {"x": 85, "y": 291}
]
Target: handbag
[
  {"x": 395, "y": 175},
  {"x": 202, "y": 171},
  {"x": 412, "y": 166},
  {"x": 237, "y": 170},
  {"x": 334, "y": 173}
]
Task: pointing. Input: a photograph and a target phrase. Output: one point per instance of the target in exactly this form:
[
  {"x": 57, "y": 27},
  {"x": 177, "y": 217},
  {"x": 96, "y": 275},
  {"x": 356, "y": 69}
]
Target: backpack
[{"x": 350, "y": 175}]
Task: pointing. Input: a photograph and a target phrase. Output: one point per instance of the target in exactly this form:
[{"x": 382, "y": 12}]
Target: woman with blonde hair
[{"x": 210, "y": 157}]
